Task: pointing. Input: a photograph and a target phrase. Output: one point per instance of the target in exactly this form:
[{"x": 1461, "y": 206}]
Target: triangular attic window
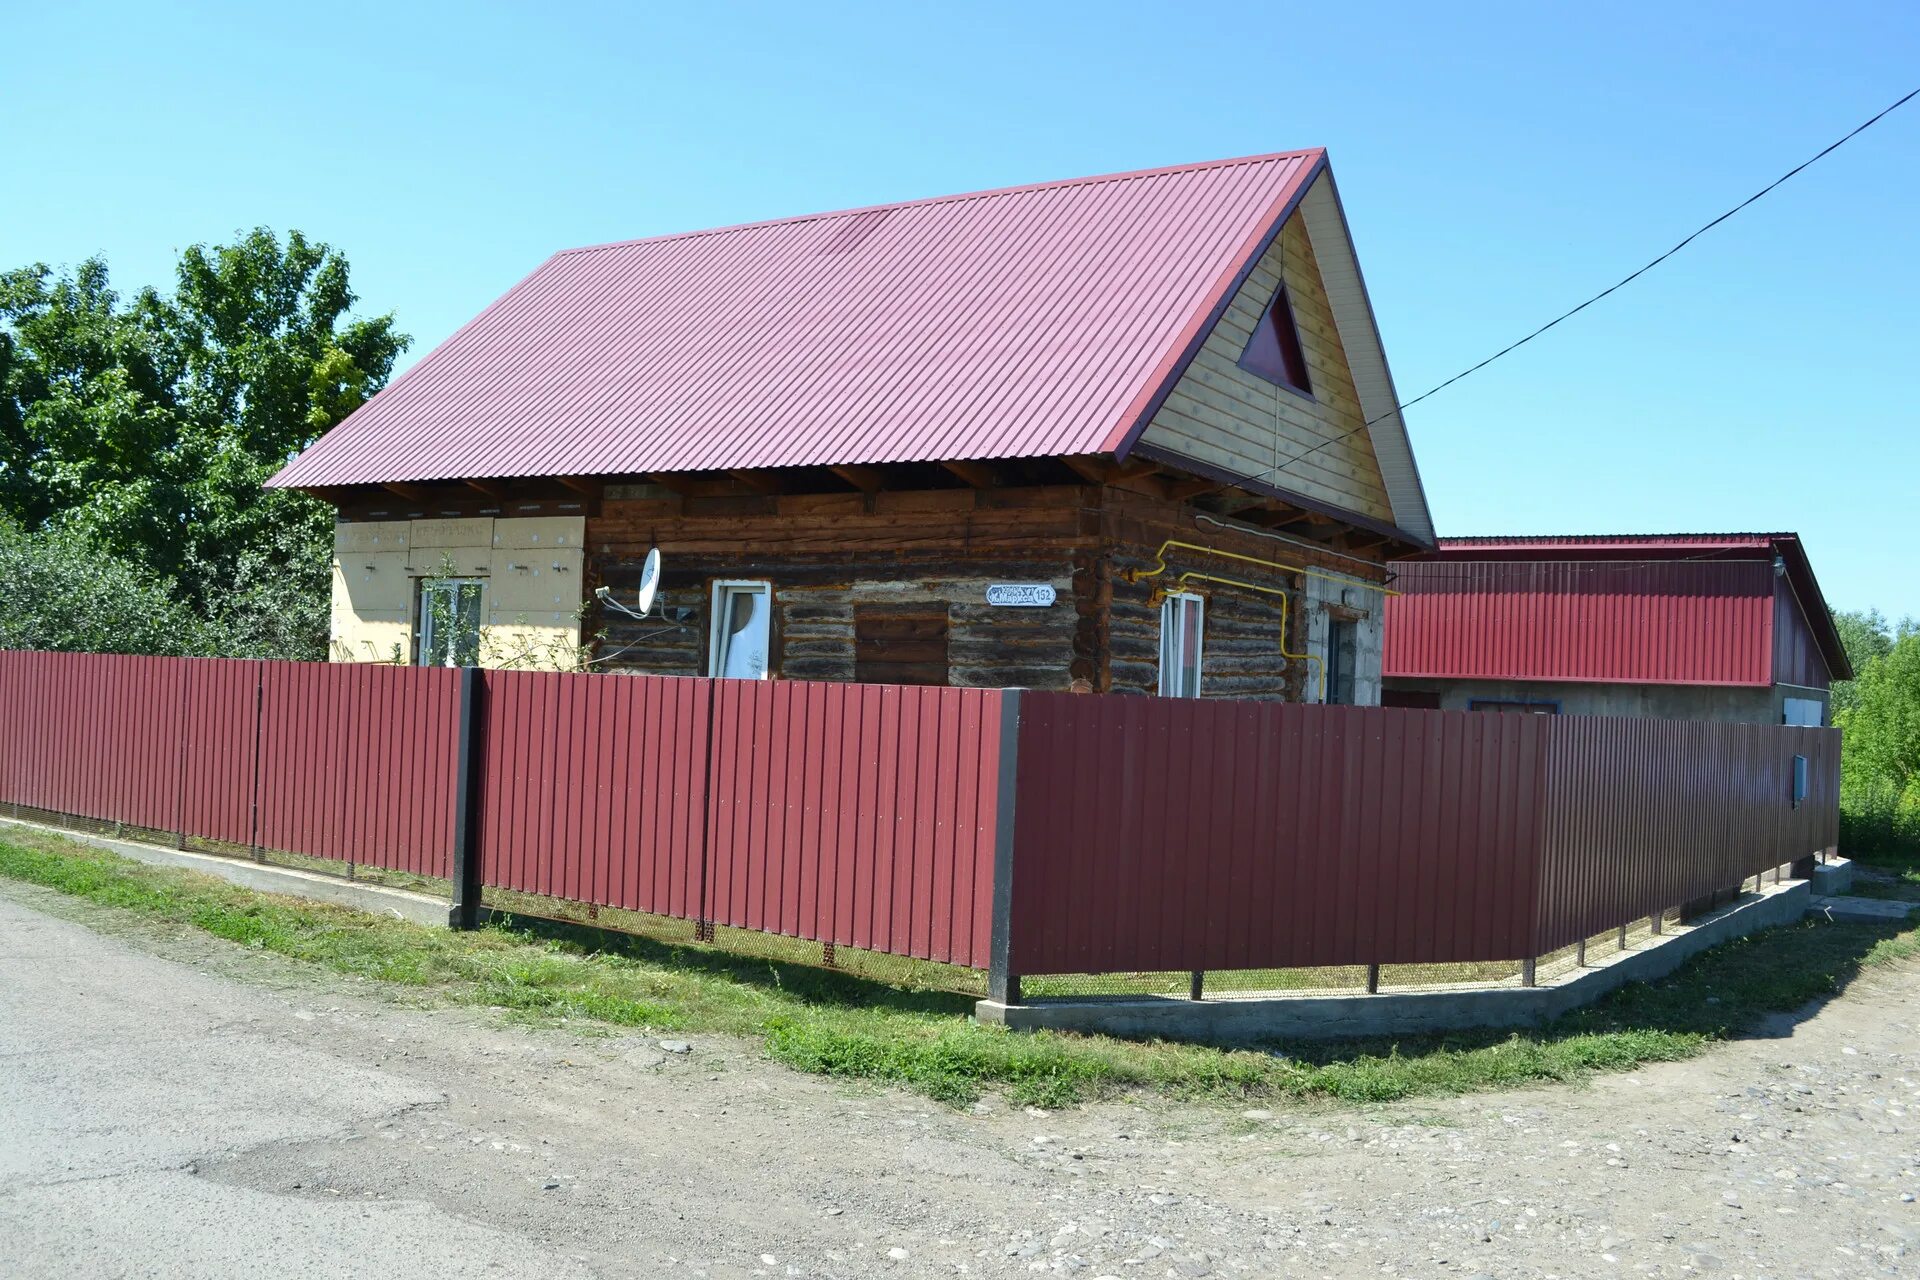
[{"x": 1274, "y": 351}]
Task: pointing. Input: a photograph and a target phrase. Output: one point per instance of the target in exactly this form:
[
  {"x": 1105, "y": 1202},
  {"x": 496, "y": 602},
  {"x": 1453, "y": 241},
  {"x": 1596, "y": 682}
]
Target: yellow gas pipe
[{"x": 1160, "y": 567}]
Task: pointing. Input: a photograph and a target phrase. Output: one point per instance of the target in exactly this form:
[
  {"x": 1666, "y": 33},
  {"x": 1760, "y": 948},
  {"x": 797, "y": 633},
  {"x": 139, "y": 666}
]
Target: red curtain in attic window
[{"x": 1274, "y": 352}]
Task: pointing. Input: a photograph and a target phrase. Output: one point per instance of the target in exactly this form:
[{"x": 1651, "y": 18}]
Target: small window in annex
[
  {"x": 1182, "y": 625},
  {"x": 1515, "y": 707},
  {"x": 449, "y": 633},
  {"x": 1274, "y": 352},
  {"x": 1806, "y": 712},
  {"x": 741, "y": 635}
]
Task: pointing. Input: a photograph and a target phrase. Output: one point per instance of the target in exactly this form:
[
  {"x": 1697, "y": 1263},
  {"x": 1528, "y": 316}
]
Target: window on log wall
[{"x": 900, "y": 643}]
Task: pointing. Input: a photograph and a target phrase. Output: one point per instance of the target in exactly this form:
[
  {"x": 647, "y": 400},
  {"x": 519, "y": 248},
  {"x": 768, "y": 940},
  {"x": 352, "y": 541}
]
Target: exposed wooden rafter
[
  {"x": 586, "y": 486},
  {"x": 671, "y": 482},
  {"x": 1092, "y": 470},
  {"x": 495, "y": 489},
  {"x": 768, "y": 482},
  {"x": 977, "y": 474},
  {"x": 411, "y": 492},
  {"x": 865, "y": 479},
  {"x": 1181, "y": 490}
]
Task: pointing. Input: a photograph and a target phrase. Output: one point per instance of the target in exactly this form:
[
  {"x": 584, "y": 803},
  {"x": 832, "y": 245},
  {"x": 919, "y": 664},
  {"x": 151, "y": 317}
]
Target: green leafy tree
[
  {"x": 1865, "y": 636},
  {"x": 1882, "y": 725},
  {"x": 147, "y": 429},
  {"x": 64, "y": 593},
  {"x": 1879, "y": 714}
]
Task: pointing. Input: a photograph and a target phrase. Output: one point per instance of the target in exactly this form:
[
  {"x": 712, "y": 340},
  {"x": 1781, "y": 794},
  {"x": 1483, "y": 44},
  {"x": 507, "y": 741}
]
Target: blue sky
[{"x": 1498, "y": 164}]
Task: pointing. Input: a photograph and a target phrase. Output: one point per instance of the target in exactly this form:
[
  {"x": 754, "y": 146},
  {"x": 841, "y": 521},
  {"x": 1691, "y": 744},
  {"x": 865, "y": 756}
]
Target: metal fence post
[
  {"x": 1003, "y": 984},
  {"x": 1527, "y": 973},
  {"x": 1197, "y": 985},
  {"x": 1373, "y": 979},
  {"x": 464, "y": 910},
  {"x": 253, "y": 811}
]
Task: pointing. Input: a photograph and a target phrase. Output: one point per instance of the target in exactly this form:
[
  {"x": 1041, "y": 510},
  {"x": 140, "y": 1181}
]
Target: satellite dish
[{"x": 649, "y": 581}]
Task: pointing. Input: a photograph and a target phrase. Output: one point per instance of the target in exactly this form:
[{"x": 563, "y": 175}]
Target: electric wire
[{"x": 1828, "y": 150}]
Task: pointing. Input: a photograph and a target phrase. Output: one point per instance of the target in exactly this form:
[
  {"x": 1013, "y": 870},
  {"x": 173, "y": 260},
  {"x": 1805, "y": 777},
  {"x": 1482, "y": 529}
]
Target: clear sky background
[{"x": 1498, "y": 164}]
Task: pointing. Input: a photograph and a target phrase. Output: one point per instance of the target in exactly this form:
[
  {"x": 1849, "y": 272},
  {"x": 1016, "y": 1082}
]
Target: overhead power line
[{"x": 1625, "y": 280}]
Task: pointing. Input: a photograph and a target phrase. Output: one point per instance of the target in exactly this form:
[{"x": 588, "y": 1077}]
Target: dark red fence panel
[
  {"x": 96, "y": 735},
  {"x": 595, "y": 788},
  {"x": 1154, "y": 834},
  {"x": 1648, "y": 814},
  {"x": 219, "y": 719},
  {"x": 357, "y": 763},
  {"x": 861, "y": 815}
]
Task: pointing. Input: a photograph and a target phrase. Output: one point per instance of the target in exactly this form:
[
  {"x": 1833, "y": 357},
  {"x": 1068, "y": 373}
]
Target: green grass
[{"x": 838, "y": 1025}]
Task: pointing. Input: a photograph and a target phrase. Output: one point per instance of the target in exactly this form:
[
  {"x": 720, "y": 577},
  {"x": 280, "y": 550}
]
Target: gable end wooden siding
[{"x": 1226, "y": 417}]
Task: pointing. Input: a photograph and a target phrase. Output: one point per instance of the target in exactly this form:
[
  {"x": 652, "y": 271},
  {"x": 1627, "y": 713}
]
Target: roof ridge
[
  {"x": 989, "y": 193},
  {"x": 1612, "y": 537}
]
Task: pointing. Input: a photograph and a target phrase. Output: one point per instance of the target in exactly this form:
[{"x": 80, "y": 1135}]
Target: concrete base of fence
[
  {"x": 1833, "y": 878},
  {"x": 1307, "y": 1016},
  {"x": 420, "y": 908}
]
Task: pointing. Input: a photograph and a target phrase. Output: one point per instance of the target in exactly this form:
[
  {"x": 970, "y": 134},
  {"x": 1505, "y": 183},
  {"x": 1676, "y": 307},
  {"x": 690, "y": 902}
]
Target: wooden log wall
[{"x": 831, "y": 556}]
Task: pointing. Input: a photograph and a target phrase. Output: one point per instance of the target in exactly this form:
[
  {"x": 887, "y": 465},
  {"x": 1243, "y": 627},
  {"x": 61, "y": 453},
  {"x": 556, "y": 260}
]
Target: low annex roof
[
  {"x": 1669, "y": 608},
  {"x": 1031, "y": 321}
]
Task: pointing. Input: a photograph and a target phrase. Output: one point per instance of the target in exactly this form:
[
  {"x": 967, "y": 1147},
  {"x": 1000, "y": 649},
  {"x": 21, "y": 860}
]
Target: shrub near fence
[{"x": 993, "y": 829}]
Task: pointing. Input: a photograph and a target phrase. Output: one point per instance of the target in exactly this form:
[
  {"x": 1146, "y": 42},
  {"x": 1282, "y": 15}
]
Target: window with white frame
[
  {"x": 450, "y": 621},
  {"x": 742, "y": 630},
  {"x": 1182, "y": 624}
]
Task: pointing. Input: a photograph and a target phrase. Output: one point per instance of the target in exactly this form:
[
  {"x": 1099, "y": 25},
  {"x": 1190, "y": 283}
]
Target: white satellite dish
[{"x": 649, "y": 581}]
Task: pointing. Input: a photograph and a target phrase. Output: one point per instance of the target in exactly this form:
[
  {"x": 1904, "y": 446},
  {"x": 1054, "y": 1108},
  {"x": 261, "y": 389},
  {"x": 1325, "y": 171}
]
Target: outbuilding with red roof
[{"x": 1697, "y": 626}]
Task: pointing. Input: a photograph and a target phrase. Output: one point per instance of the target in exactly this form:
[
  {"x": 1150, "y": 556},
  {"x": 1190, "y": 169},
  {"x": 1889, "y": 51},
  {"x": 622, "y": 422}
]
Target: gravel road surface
[{"x": 175, "y": 1106}]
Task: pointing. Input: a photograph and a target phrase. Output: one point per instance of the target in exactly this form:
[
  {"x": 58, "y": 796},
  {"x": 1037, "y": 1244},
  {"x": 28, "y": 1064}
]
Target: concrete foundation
[
  {"x": 420, "y": 908},
  {"x": 1833, "y": 878},
  {"x": 1321, "y": 1017},
  {"x": 1866, "y": 910}
]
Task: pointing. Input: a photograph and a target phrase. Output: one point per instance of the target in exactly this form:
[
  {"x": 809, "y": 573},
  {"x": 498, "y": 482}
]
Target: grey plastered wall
[{"x": 1730, "y": 705}]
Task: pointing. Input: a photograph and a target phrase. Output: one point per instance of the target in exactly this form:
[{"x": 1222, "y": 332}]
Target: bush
[
  {"x": 1879, "y": 822},
  {"x": 62, "y": 592}
]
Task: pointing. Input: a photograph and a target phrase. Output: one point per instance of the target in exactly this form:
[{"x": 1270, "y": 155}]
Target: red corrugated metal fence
[
  {"x": 595, "y": 788},
  {"x": 97, "y": 735},
  {"x": 1155, "y": 835},
  {"x": 1145, "y": 834},
  {"x": 1643, "y": 815},
  {"x": 1168, "y": 835},
  {"x": 861, "y": 815},
  {"x": 356, "y": 763}
]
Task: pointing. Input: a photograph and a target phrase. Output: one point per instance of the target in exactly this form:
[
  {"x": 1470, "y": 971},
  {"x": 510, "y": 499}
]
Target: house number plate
[{"x": 1029, "y": 595}]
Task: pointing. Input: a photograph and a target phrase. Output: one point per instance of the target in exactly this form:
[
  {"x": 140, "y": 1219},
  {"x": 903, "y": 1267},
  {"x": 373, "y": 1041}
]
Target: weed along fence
[{"x": 1021, "y": 835}]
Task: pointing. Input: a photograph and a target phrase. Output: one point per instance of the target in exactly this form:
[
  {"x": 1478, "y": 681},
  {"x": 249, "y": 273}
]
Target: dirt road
[{"x": 178, "y": 1106}]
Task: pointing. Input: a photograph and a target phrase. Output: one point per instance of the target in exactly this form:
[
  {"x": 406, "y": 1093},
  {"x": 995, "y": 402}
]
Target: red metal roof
[
  {"x": 1639, "y": 608},
  {"x": 1032, "y": 321}
]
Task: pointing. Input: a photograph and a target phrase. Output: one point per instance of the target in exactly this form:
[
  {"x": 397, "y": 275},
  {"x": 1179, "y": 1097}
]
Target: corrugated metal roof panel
[
  {"x": 1670, "y": 608},
  {"x": 1009, "y": 323},
  {"x": 1658, "y": 622}
]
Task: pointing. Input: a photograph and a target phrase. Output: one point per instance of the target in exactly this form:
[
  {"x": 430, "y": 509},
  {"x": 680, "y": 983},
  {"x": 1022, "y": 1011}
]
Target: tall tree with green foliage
[
  {"x": 1864, "y": 635},
  {"x": 1878, "y": 713},
  {"x": 146, "y": 429}
]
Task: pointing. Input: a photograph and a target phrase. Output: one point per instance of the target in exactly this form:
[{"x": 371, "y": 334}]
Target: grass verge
[{"x": 838, "y": 1025}]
